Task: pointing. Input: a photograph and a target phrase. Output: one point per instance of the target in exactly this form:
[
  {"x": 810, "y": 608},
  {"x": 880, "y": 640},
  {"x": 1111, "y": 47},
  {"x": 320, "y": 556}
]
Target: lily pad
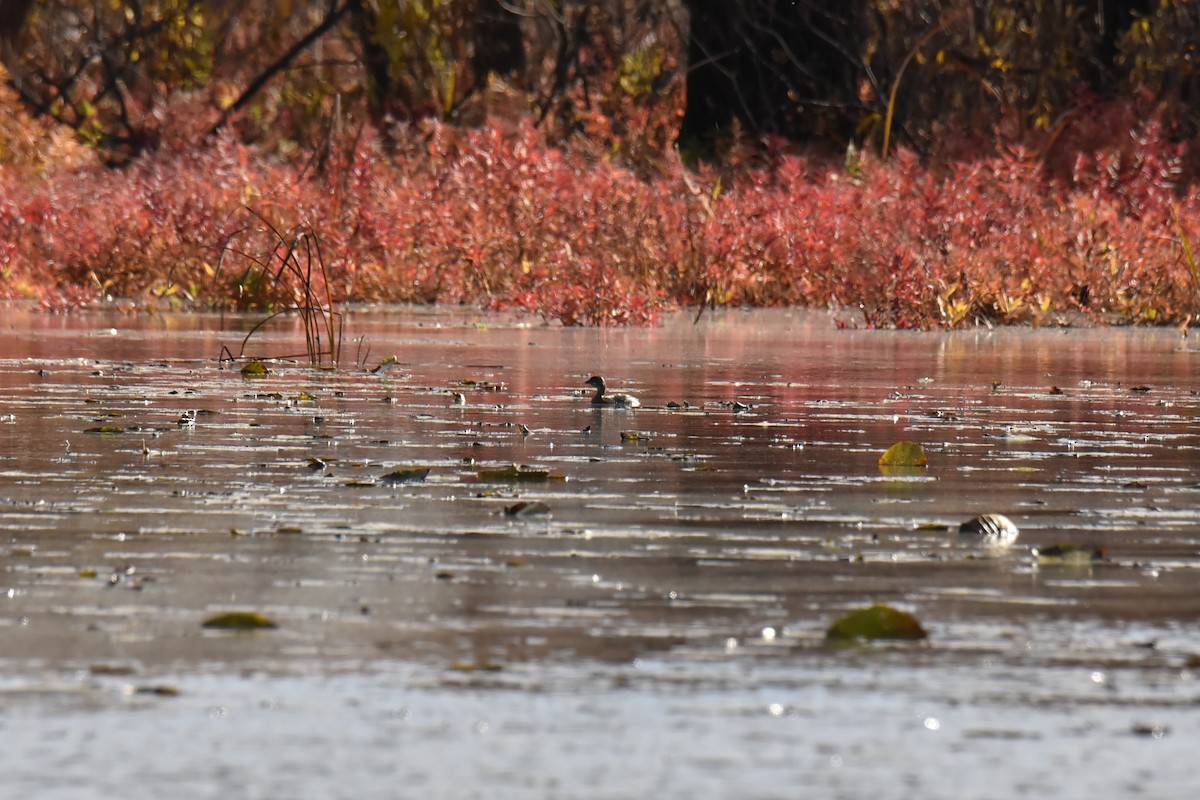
[
  {"x": 239, "y": 621},
  {"x": 410, "y": 475},
  {"x": 1069, "y": 554},
  {"x": 904, "y": 454},
  {"x": 514, "y": 474},
  {"x": 876, "y": 622},
  {"x": 255, "y": 369},
  {"x": 476, "y": 666},
  {"x": 105, "y": 429}
]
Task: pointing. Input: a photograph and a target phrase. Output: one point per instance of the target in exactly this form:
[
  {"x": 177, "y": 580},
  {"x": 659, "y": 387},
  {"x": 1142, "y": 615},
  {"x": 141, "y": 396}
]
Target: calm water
[{"x": 659, "y": 632}]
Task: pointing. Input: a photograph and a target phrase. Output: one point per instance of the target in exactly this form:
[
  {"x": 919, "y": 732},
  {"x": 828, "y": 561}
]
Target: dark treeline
[{"x": 637, "y": 76}]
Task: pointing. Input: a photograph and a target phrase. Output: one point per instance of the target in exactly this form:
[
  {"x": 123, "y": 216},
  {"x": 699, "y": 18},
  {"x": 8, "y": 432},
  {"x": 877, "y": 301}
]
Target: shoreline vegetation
[{"x": 1090, "y": 217}]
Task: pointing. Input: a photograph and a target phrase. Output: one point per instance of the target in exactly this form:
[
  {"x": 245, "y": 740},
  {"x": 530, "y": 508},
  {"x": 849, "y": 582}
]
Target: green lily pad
[
  {"x": 904, "y": 454},
  {"x": 105, "y": 429},
  {"x": 876, "y": 622},
  {"x": 255, "y": 369},
  {"x": 239, "y": 621}
]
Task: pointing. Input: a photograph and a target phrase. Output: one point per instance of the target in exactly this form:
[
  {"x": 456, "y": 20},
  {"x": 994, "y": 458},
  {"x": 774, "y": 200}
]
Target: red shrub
[{"x": 503, "y": 220}]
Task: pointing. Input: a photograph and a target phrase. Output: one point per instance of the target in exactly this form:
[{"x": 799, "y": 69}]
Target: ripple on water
[{"x": 634, "y": 611}]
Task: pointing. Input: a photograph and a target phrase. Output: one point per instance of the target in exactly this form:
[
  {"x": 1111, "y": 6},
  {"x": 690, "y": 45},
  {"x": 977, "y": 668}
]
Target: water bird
[
  {"x": 616, "y": 400},
  {"x": 990, "y": 529}
]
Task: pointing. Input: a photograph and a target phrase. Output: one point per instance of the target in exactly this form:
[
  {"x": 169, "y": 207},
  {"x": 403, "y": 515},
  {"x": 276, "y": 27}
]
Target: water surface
[{"x": 660, "y": 631}]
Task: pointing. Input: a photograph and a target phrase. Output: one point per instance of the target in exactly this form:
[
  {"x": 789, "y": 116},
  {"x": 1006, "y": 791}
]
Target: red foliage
[{"x": 503, "y": 220}]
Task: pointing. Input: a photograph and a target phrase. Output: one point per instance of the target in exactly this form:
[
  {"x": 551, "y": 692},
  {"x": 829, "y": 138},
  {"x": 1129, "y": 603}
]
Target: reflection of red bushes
[{"x": 503, "y": 220}]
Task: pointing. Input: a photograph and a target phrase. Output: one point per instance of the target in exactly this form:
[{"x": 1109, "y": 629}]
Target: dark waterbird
[{"x": 616, "y": 400}]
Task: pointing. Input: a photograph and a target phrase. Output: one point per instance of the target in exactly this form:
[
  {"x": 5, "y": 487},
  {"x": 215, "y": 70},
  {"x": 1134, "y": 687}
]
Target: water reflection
[{"x": 752, "y": 499}]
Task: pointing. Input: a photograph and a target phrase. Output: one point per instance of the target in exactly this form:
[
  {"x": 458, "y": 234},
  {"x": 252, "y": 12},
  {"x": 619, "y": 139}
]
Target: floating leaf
[
  {"x": 485, "y": 386},
  {"x": 255, "y": 369},
  {"x": 239, "y": 621},
  {"x": 904, "y": 454},
  {"x": 527, "y": 509},
  {"x": 1069, "y": 554},
  {"x": 1153, "y": 731},
  {"x": 411, "y": 475},
  {"x": 633, "y": 436},
  {"x": 105, "y": 429},
  {"x": 112, "y": 668},
  {"x": 1012, "y": 435},
  {"x": 385, "y": 365},
  {"x": 876, "y": 622},
  {"x": 513, "y": 473},
  {"x": 476, "y": 666}
]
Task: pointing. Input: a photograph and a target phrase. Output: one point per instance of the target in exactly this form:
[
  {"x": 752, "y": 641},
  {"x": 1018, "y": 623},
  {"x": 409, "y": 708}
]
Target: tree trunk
[
  {"x": 786, "y": 67},
  {"x": 712, "y": 76},
  {"x": 12, "y": 21},
  {"x": 376, "y": 62},
  {"x": 498, "y": 45}
]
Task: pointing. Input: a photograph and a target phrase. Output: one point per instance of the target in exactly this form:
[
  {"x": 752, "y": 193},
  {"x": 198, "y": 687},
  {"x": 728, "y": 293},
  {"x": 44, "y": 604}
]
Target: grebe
[{"x": 616, "y": 400}]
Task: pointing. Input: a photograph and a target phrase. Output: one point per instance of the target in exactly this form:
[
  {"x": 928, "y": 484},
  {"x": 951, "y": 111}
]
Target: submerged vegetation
[{"x": 568, "y": 182}]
